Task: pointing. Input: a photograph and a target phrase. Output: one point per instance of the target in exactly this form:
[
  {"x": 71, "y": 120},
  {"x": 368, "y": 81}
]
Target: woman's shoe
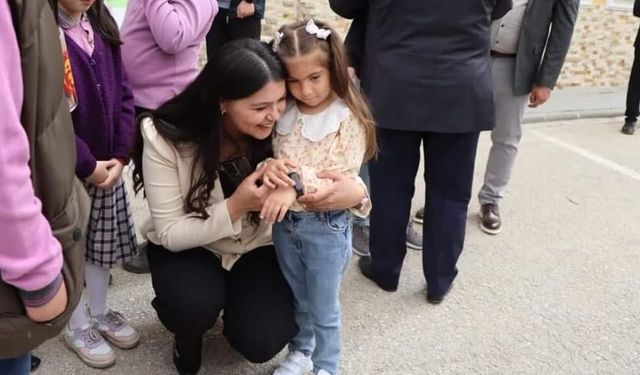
[{"x": 187, "y": 353}]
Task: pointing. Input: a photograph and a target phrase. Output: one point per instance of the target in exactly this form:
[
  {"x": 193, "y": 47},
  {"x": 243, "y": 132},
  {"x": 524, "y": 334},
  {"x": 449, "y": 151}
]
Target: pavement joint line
[{"x": 609, "y": 164}]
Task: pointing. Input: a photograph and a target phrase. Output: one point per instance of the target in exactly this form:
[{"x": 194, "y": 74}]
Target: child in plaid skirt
[{"x": 103, "y": 123}]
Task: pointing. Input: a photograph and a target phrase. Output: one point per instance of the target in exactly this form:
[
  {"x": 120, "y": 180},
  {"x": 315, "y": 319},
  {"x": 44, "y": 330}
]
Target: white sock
[{"x": 97, "y": 280}]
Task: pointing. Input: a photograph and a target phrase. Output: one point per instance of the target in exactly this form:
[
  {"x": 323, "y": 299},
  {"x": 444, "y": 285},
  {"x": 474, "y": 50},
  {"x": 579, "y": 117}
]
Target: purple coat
[{"x": 103, "y": 119}]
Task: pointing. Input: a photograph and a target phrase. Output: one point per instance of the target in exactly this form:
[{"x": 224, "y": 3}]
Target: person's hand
[
  {"x": 277, "y": 204},
  {"x": 343, "y": 193},
  {"x": 51, "y": 309},
  {"x": 101, "y": 172},
  {"x": 276, "y": 173},
  {"x": 248, "y": 196},
  {"x": 539, "y": 95},
  {"x": 245, "y": 9},
  {"x": 115, "y": 171}
]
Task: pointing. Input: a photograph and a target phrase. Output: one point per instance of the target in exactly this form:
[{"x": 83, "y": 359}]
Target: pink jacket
[
  {"x": 30, "y": 257},
  {"x": 161, "y": 46}
]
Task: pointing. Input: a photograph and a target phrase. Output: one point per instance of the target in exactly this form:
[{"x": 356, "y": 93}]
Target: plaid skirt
[{"x": 111, "y": 236}]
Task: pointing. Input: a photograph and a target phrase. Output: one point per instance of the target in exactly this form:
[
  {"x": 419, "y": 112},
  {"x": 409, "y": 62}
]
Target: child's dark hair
[
  {"x": 294, "y": 40},
  {"x": 103, "y": 23}
]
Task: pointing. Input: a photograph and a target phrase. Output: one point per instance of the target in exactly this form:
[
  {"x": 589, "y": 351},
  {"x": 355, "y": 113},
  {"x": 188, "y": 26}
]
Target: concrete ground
[{"x": 557, "y": 292}]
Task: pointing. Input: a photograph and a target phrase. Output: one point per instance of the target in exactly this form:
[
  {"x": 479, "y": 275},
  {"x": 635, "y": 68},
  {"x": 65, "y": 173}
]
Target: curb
[{"x": 571, "y": 115}]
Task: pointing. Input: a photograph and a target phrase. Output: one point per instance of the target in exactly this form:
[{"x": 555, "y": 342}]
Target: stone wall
[{"x": 602, "y": 48}]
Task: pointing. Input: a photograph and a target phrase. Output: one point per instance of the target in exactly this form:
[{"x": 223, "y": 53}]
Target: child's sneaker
[
  {"x": 87, "y": 343},
  {"x": 115, "y": 328},
  {"x": 323, "y": 372},
  {"x": 296, "y": 363}
]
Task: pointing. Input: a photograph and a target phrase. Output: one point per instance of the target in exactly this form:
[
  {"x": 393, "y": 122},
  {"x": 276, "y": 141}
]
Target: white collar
[{"x": 316, "y": 126}]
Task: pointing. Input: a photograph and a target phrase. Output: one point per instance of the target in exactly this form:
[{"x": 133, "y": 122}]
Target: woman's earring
[{"x": 222, "y": 111}]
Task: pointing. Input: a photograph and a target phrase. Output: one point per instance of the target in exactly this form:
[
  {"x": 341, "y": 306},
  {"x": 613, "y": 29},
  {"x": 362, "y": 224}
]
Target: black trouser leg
[
  {"x": 633, "y": 89},
  {"x": 392, "y": 177},
  {"x": 244, "y": 27},
  {"x": 218, "y": 33},
  {"x": 190, "y": 288},
  {"x": 258, "y": 315},
  {"x": 449, "y": 164}
]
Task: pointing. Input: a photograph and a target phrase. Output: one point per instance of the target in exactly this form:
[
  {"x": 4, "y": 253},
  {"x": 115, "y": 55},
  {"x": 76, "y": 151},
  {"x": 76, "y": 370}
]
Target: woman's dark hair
[
  {"x": 103, "y": 23},
  {"x": 238, "y": 69}
]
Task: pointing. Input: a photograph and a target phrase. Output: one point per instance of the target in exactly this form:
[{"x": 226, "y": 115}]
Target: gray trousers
[{"x": 506, "y": 135}]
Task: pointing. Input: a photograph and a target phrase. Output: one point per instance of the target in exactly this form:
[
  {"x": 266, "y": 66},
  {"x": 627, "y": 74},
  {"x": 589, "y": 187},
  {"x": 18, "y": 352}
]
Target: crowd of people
[{"x": 260, "y": 170}]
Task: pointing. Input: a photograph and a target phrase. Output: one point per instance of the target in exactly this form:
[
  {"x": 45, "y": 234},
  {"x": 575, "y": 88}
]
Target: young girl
[
  {"x": 328, "y": 127},
  {"x": 103, "y": 125}
]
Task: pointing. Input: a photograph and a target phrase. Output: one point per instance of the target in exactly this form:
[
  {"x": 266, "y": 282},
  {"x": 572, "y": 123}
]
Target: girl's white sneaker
[{"x": 296, "y": 363}]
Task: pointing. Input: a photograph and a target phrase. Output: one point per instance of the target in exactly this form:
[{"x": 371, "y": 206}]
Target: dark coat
[
  {"x": 426, "y": 63},
  {"x": 543, "y": 44}
]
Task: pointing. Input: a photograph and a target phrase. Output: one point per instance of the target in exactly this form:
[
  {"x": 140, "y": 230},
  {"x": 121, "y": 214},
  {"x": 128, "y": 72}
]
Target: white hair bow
[
  {"x": 276, "y": 41},
  {"x": 313, "y": 29}
]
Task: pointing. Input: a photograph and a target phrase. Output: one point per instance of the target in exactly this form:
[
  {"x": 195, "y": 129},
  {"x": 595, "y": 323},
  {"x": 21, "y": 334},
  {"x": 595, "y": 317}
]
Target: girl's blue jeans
[{"x": 313, "y": 249}]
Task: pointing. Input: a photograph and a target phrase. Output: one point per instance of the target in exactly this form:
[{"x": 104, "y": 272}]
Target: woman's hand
[
  {"x": 343, "y": 193},
  {"x": 114, "y": 172},
  {"x": 276, "y": 173},
  {"x": 248, "y": 196},
  {"x": 276, "y": 206}
]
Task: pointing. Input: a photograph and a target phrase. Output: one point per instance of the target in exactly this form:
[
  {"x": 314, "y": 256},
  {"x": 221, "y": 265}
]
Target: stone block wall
[{"x": 602, "y": 48}]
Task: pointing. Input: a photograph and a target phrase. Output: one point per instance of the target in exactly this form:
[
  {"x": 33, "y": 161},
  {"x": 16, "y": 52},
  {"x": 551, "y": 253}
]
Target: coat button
[{"x": 77, "y": 234}]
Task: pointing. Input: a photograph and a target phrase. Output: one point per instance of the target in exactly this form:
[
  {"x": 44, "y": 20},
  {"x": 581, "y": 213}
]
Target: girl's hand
[
  {"x": 115, "y": 171},
  {"x": 275, "y": 175},
  {"x": 101, "y": 172},
  {"x": 343, "y": 193},
  {"x": 51, "y": 309},
  {"x": 248, "y": 196},
  {"x": 276, "y": 206}
]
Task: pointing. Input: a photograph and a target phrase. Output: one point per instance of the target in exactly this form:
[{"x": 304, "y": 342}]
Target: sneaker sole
[
  {"x": 489, "y": 230},
  {"x": 92, "y": 363},
  {"x": 359, "y": 253},
  {"x": 413, "y": 247},
  {"x": 120, "y": 344}
]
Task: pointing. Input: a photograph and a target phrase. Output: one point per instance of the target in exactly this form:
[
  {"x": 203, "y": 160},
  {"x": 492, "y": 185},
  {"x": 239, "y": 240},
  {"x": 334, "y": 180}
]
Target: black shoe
[
  {"x": 139, "y": 264},
  {"x": 187, "y": 353},
  {"x": 629, "y": 127},
  {"x": 491, "y": 221},
  {"x": 365, "y": 267},
  {"x": 436, "y": 299},
  {"x": 35, "y": 363}
]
